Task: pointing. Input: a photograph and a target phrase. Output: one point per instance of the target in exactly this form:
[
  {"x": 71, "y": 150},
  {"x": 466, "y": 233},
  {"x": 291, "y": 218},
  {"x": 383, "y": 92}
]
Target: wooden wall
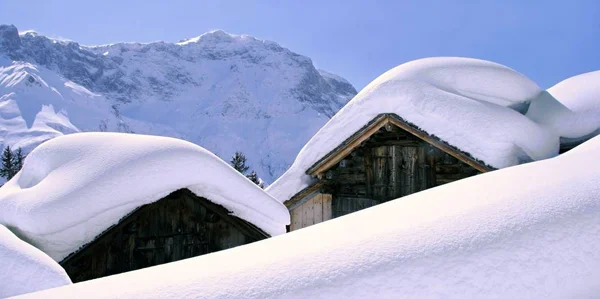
[
  {"x": 314, "y": 210},
  {"x": 179, "y": 226},
  {"x": 390, "y": 164}
]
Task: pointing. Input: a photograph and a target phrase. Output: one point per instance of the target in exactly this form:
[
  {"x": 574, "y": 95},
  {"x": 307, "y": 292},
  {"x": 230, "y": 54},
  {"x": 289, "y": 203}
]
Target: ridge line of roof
[{"x": 384, "y": 118}]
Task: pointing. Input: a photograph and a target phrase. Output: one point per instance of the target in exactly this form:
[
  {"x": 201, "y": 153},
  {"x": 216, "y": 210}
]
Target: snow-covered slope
[
  {"x": 36, "y": 105},
  {"x": 74, "y": 187},
  {"x": 529, "y": 231},
  {"x": 474, "y": 105},
  {"x": 26, "y": 269},
  {"x": 224, "y": 92}
]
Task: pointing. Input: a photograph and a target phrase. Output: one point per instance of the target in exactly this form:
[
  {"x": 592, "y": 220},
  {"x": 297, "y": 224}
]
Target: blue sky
[{"x": 545, "y": 40}]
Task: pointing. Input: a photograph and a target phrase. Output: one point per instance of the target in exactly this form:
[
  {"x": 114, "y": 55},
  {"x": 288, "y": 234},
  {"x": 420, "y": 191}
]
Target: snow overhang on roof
[
  {"x": 470, "y": 108},
  {"x": 74, "y": 187}
]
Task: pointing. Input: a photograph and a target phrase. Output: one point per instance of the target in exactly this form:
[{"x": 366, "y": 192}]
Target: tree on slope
[
  {"x": 238, "y": 161},
  {"x": 18, "y": 160},
  {"x": 254, "y": 178},
  {"x": 12, "y": 162},
  {"x": 8, "y": 167}
]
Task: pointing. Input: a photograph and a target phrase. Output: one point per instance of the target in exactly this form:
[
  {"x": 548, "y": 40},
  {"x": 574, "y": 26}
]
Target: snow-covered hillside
[
  {"x": 74, "y": 187},
  {"x": 224, "y": 92},
  {"x": 529, "y": 231},
  {"x": 36, "y": 105},
  {"x": 25, "y": 268}
]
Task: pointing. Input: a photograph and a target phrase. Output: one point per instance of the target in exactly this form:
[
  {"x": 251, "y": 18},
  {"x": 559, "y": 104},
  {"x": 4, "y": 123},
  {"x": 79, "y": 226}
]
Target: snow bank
[
  {"x": 579, "y": 93},
  {"x": 470, "y": 104},
  {"x": 579, "y": 97},
  {"x": 529, "y": 231},
  {"x": 25, "y": 268},
  {"x": 73, "y": 187}
]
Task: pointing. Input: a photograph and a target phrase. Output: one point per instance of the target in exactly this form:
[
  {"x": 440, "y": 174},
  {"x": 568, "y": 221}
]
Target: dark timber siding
[
  {"x": 179, "y": 226},
  {"x": 391, "y": 164}
]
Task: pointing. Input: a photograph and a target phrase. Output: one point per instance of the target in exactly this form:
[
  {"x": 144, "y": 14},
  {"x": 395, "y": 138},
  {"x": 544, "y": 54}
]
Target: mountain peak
[
  {"x": 28, "y": 32},
  {"x": 9, "y": 38},
  {"x": 220, "y": 90},
  {"x": 218, "y": 36}
]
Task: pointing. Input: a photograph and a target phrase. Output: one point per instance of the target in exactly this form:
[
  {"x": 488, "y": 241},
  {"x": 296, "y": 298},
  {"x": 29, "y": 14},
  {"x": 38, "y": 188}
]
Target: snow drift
[
  {"x": 25, "y": 268},
  {"x": 529, "y": 231},
  {"x": 74, "y": 187},
  {"x": 580, "y": 95}
]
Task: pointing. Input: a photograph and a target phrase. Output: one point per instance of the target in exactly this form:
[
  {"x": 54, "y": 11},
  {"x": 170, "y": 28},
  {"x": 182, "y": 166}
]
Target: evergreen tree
[
  {"x": 254, "y": 178},
  {"x": 238, "y": 161},
  {"x": 8, "y": 168},
  {"x": 18, "y": 160}
]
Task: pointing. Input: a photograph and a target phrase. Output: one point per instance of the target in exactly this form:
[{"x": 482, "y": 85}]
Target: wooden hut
[
  {"x": 179, "y": 226},
  {"x": 388, "y": 158}
]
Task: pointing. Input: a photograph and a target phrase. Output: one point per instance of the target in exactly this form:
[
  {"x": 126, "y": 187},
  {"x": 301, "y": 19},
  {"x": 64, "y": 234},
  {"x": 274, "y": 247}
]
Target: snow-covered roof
[
  {"x": 25, "y": 268},
  {"x": 476, "y": 238},
  {"x": 74, "y": 187},
  {"x": 581, "y": 95},
  {"x": 477, "y": 107}
]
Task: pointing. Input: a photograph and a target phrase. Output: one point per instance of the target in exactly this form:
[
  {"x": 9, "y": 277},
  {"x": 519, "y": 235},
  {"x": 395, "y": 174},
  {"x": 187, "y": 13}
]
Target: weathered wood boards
[
  {"x": 176, "y": 227},
  {"x": 312, "y": 211},
  {"x": 391, "y": 163}
]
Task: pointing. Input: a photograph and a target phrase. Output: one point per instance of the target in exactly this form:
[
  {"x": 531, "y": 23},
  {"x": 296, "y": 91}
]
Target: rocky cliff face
[{"x": 222, "y": 91}]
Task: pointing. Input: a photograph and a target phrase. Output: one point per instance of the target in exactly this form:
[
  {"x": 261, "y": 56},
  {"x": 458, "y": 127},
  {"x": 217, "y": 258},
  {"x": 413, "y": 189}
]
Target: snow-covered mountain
[{"x": 224, "y": 92}]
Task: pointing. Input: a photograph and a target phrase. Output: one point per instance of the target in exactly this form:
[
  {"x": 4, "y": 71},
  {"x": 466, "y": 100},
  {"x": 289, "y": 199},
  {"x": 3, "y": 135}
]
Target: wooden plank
[
  {"x": 424, "y": 178},
  {"x": 368, "y": 162},
  {"x": 394, "y": 164},
  {"x": 296, "y": 218},
  {"x": 308, "y": 213},
  {"x": 410, "y": 162},
  {"x": 381, "y": 172},
  {"x": 326, "y": 200},
  {"x": 318, "y": 208}
]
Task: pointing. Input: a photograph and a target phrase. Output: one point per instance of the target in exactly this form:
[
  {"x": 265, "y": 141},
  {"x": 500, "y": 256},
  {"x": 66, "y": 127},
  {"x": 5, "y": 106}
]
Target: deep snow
[
  {"x": 529, "y": 231},
  {"x": 26, "y": 269},
  {"x": 74, "y": 187},
  {"x": 581, "y": 95},
  {"x": 471, "y": 104}
]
